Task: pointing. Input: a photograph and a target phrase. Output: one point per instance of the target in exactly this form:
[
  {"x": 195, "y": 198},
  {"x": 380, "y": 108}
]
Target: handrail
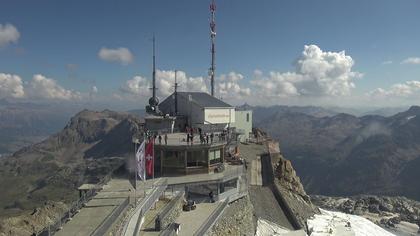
[
  {"x": 211, "y": 220},
  {"x": 144, "y": 206},
  {"x": 110, "y": 219},
  {"x": 75, "y": 207}
]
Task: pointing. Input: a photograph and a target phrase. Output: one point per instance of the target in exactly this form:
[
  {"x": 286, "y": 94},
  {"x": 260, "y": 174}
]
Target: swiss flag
[{"x": 149, "y": 157}]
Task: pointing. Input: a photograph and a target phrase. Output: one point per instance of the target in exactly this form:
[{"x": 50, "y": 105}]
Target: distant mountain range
[
  {"x": 345, "y": 155},
  {"x": 84, "y": 151},
  {"x": 334, "y": 153},
  {"x": 22, "y": 124},
  {"x": 26, "y": 123}
]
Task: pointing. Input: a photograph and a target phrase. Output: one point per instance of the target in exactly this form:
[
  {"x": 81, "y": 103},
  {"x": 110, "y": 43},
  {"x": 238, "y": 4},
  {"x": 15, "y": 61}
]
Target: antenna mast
[
  {"x": 213, "y": 38},
  {"x": 154, "y": 69},
  {"x": 153, "y": 108},
  {"x": 176, "y": 94}
]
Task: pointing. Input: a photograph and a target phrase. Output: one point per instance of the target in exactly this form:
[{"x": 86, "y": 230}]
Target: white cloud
[
  {"x": 140, "y": 86},
  {"x": 412, "y": 60},
  {"x": 8, "y": 34},
  {"x": 229, "y": 86},
  {"x": 317, "y": 74},
  {"x": 165, "y": 80},
  {"x": 11, "y": 86},
  {"x": 406, "y": 89},
  {"x": 94, "y": 89},
  {"x": 120, "y": 55},
  {"x": 387, "y": 62},
  {"x": 45, "y": 88}
]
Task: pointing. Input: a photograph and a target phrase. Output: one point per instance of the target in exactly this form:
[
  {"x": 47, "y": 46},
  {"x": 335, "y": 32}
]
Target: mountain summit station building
[{"x": 205, "y": 116}]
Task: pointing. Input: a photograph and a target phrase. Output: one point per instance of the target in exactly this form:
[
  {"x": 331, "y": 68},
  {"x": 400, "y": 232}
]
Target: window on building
[
  {"x": 173, "y": 159},
  {"x": 196, "y": 158},
  {"x": 214, "y": 156},
  {"x": 247, "y": 117}
]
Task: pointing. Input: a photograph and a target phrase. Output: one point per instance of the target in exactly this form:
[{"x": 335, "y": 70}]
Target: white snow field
[{"x": 330, "y": 223}]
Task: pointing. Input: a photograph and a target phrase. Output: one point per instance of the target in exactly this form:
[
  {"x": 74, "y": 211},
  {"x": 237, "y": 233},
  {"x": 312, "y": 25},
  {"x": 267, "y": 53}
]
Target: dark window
[
  {"x": 215, "y": 156},
  {"x": 196, "y": 158},
  {"x": 247, "y": 117}
]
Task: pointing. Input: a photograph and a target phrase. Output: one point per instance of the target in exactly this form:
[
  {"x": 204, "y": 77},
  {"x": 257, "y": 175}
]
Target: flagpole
[
  {"x": 135, "y": 174},
  {"x": 145, "y": 171},
  {"x": 153, "y": 160}
]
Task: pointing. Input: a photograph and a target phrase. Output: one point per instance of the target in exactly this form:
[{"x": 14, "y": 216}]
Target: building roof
[
  {"x": 204, "y": 99},
  {"x": 200, "y": 98}
]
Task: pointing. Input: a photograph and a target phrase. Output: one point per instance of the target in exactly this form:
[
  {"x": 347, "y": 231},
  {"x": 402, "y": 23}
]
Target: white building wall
[
  {"x": 243, "y": 123},
  {"x": 219, "y": 115}
]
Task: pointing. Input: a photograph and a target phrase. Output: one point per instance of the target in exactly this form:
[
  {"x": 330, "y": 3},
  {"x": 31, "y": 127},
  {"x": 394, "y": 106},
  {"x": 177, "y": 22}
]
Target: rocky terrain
[
  {"x": 90, "y": 146},
  {"x": 348, "y": 155},
  {"x": 238, "y": 219},
  {"x": 385, "y": 211},
  {"x": 287, "y": 182}
]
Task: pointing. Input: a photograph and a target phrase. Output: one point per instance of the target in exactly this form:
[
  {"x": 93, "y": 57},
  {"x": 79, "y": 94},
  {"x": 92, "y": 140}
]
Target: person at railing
[
  {"x": 192, "y": 137},
  {"x": 211, "y": 196},
  {"x": 166, "y": 139},
  {"x": 211, "y": 137},
  {"x": 201, "y": 139},
  {"x": 160, "y": 139},
  {"x": 207, "y": 138}
]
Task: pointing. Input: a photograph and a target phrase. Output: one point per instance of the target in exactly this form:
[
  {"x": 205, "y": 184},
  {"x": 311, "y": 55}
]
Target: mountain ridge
[{"x": 353, "y": 155}]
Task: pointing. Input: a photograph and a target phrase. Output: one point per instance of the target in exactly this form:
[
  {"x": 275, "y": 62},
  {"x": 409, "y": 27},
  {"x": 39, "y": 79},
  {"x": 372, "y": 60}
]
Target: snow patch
[
  {"x": 330, "y": 223},
  {"x": 410, "y": 117},
  {"x": 265, "y": 227}
]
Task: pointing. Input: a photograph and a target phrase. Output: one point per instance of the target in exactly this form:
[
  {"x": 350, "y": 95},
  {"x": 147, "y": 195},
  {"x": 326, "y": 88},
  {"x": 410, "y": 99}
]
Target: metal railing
[
  {"x": 209, "y": 222},
  {"x": 110, "y": 219},
  {"x": 145, "y": 205},
  {"x": 163, "y": 215},
  {"x": 74, "y": 208}
]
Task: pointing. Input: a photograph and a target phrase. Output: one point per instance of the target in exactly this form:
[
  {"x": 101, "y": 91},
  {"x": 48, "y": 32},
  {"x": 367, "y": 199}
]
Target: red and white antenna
[{"x": 212, "y": 37}]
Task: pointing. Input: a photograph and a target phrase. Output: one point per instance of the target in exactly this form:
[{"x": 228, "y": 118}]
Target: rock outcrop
[{"x": 288, "y": 184}]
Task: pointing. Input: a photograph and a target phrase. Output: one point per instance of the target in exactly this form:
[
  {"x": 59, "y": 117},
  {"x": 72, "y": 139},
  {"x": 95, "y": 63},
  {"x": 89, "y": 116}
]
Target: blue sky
[{"x": 60, "y": 40}]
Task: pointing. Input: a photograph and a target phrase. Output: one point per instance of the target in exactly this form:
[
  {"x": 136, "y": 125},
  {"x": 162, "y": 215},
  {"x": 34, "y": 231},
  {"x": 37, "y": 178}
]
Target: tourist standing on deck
[{"x": 166, "y": 139}]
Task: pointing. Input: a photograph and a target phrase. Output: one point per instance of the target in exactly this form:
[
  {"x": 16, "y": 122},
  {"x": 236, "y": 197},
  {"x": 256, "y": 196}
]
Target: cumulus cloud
[
  {"x": 140, "y": 86},
  {"x": 406, "y": 89},
  {"x": 11, "y": 86},
  {"x": 229, "y": 86},
  {"x": 412, "y": 60},
  {"x": 317, "y": 73},
  {"x": 94, "y": 89},
  {"x": 8, "y": 34},
  {"x": 46, "y": 88},
  {"x": 120, "y": 55}
]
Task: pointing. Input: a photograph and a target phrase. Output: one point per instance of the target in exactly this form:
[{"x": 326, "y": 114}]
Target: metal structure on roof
[
  {"x": 153, "y": 108},
  {"x": 213, "y": 39}
]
